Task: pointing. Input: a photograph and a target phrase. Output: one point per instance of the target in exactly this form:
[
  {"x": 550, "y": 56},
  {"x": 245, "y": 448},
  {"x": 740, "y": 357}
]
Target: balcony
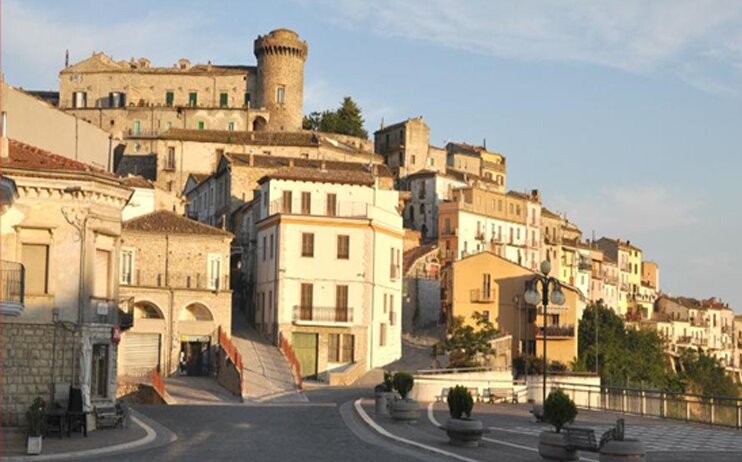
[
  {"x": 322, "y": 315},
  {"x": 556, "y": 331},
  {"x": 173, "y": 280},
  {"x": 323, "y": 208},
  {"x": 584, "y": 266},
  {"x": 683, "y": 340},
  {"x": 13, "y": 288},
  {"x": 131, "y": 133},
  {"x": 450, "y": 232},
  {"x": 479, "y": 235},
  {"x": 482, "y": 296}
]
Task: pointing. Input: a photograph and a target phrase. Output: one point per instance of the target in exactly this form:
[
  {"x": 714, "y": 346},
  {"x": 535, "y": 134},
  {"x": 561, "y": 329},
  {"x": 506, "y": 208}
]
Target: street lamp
[{"x": 533, "y": 297}]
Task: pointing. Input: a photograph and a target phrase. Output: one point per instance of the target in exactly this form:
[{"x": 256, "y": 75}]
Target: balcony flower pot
[
  {"x": 622, "y": 450},
  {"x": 464, "y": 432},
  {"x": 405, "y": 410},
  {"x": 553, "y": 446}
]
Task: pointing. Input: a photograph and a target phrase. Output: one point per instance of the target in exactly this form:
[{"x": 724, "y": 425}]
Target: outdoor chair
[{"x": 443, "y": 396}]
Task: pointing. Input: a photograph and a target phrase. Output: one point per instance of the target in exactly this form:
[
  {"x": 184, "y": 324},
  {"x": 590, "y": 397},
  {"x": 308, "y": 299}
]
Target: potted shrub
[
  {"x": 381, "y": 394},
  {"x": 621, "y": 448},
  {"x": 462, "y": 430},
  {"x": 404, "y": 409},
  {"x": 558, "y": 410},
  {"x": 36, "y": 417}
]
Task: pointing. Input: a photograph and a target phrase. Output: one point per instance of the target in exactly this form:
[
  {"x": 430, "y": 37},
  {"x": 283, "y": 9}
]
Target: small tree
[
  {"x": 460, "y": 402},
  {"x": 559, "y": 409},
  {"x": 36, "y": 416},
  {"x": 345, "y": 120},
  {"x": 465, "y": 342},
  {"x": 403, "y": 383}
]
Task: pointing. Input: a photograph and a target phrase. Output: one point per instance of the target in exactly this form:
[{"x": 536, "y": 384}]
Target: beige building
[
  {"x": 147, "y": 198},
  {"x": 60, "y": 244},
  {"x": 134, "y": 97},
  {"x": 492, "y": 285},
  {"x": 64, "y": 134},
  {"x": 174, "y": 287},
  {"x": 322, "y": 258},
  {"x": 406, "y": 148}
]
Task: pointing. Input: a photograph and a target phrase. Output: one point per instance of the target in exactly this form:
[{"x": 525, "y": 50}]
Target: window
[
  {"x": 486, "y": 285},
  {"x": 306, "y": 203},
  {"x": 392, "y": 313},
  {"x": 200, "y": 124},
  {"x": 4, "y": 124},
  {"x": 382, "y": 334},
  {"x": 170, "y": 161},
  {"x": 215, "y": 267},
  {"x": 79, "y": 99},
  {"x": 332, "y": 202},
  {"x": 230, "y": 126},
  {"x": 127, "y": 267},
  {"x": 116, "y": 99},
  {"x": 421, "y": 194},
  {"x": 35, "y": 259},
  {"x": 447, "y": 225},
  {"x": 169, "y": 98},
  {"x": 307, "y": 245},
  {"x": 286, "y": 205},
  {"x": 343, "y": 247},
  {"x": 486, "y": 315},
  {"x": 247, "y": 99},
  {"x": 223, "y": 100},
  {"x": 271, "y": 246},
  {"x": 306, "y": 300},
  {"x": 137, "y": 127},
  {"x": 265, "y": 245},
  {"x": 99, "y": 376},
  {"x": 385, "y": 303},
  {"x": 413, "y": 159},
  {"x": 193, "y": 99},
  {"x": 348, "y": 347},
  {"x": 281, "y": 94},
  {"x": 333, "y": 348},
  {"x": 341, "y": 303},
  {"x": 102, "y": 278}
]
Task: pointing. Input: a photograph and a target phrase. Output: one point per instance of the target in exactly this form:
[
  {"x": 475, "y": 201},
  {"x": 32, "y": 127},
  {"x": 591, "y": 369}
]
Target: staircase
[{"x": 267, "y": 375}]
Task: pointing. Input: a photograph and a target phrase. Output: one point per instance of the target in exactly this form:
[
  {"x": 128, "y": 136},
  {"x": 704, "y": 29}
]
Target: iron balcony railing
[
  {"x": 175, "y": 280},
  {"x": 557, "y": 331},
  {"x": 13, "y": 282},
  {"x": 322, "y": 315},
  {"x": 482, "y": 295},
  {"x": 318, "y": 207}
]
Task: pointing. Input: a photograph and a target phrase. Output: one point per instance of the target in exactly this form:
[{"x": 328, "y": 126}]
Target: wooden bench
[
  {"x": 584, "y": 438},
  {"x": 443, "y": 396},
  {"x": 494, "y": 395}
]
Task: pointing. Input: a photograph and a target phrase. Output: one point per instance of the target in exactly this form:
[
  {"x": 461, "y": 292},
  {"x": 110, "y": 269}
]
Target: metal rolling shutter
[{"x": 141, "y": 353}]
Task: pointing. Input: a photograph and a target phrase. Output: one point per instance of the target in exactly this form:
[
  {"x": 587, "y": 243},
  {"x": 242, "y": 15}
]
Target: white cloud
[
  {"x": 700, "y": 42},
  {"x": 630, "y": 211}
]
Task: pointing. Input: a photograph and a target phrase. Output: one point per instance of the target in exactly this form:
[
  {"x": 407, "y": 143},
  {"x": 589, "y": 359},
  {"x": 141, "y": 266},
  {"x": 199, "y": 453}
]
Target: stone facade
[{"x": 171, "y": 288}]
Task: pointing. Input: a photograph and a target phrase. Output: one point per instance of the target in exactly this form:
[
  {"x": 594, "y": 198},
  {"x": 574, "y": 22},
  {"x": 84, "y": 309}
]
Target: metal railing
[
  {"x": 13, "y": 279},
  {"x": 482, "y": 295},
  {"x": 322, "y": 314},
  {"x": 200, "y": 281},
  {"x": 557, "y": 331},
  {"x": 723, "y": 411},
  {"x": 288, "y": 351},
  {"x": 296, "y": 206}
]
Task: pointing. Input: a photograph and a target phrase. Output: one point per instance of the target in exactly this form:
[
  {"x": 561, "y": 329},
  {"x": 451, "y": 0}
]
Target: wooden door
[{"x": 305, "y": 347}]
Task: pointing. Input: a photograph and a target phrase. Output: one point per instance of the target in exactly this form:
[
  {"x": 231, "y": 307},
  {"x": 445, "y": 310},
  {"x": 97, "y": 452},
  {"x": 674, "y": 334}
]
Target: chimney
[{"x": 251, "y": 160}]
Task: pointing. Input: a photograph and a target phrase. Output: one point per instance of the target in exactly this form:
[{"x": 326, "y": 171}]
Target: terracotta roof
[
  {"x": 135, "y": 181},
  {"x": 263, "y": 161},
  {"x": 23, "y": 156},
  {"x": 302, "y": 138},
  {"x": 360, "y": 177},
  {"x": 163, "y": 221},
  {"x": 689, "y": 302}
]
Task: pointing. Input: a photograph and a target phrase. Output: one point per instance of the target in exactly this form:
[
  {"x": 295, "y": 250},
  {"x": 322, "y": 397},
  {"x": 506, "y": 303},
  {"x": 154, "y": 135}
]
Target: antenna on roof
[
  {"x": 67, "y": 58},
  {"x": 484, "y": 143},
  {"x": 382, "y": 124}
]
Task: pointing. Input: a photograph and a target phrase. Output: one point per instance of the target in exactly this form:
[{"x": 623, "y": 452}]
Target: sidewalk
[{"x": 142, "y": 433}]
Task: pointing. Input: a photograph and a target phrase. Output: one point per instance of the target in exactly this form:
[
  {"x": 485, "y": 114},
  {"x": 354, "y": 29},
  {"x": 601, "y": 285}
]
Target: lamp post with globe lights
[{"x": 533, "y": 297}]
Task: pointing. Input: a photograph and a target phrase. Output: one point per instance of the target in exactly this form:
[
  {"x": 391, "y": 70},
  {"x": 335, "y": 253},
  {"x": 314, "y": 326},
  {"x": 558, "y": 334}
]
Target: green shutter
[
  {"x": 223, "y": 99},
  {"x": 169, "y": 98}
]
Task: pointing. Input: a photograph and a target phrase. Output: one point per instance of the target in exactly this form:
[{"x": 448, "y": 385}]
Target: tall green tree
[
  {"x": 467, "y": 344},
  {"x": 345, "y": 120}
]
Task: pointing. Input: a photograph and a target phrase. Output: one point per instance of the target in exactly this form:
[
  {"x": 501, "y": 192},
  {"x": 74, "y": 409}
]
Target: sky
[{"x": 627, "y": 116}]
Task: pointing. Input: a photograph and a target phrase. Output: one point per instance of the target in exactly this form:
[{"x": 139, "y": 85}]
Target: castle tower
[{"x": 281, "y": 57}]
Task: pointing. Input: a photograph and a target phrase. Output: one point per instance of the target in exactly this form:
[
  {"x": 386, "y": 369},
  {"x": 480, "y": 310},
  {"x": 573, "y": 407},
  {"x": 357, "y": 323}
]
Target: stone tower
[{"x": 281, "y": 57}]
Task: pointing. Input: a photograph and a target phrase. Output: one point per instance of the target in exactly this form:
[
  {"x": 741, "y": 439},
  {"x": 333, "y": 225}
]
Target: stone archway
[
  {"x": 196, "y": 312},
  {"x": 259, "y": 124}
]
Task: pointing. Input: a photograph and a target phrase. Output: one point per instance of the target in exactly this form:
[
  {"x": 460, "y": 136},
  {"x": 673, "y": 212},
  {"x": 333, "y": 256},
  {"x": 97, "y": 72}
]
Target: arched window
[
  {"x": 147, "y": 310},
  {"x": 196, "y": 312}
]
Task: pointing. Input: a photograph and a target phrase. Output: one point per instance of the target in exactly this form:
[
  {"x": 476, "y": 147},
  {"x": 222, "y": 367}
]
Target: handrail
[
  {"x": 234, "y": 355},
  {"x": 288, "y": 351}
]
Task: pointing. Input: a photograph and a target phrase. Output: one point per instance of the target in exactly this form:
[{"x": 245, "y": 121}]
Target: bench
[
  {"x": 494, "y": 395},
  {"x": 584, "y": 438},
  {"x": 107, "y": 416},
  {"x": 443, "y": 396},
  {"x": 474, "y": 392}
]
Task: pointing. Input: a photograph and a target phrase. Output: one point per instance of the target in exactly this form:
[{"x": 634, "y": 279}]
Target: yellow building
[{"x": 494, "y": 286}]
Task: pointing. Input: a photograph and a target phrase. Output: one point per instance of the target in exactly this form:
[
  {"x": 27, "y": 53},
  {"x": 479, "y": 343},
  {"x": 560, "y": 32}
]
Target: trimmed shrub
[
  {"x": 403, "y": 383},
  {"x": 460, "y": 402},
  {"x": 559, "y": 409},
  {"x": 36, "y": 416}
]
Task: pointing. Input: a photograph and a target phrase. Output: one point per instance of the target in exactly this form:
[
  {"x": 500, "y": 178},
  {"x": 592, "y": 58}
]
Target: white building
[
  {"x": 324, "y": 253},
  {"x": 428, "y": 189}
]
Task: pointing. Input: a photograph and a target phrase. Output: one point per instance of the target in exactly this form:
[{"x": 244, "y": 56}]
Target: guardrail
[
  {"x": 723, "y": 411},
  {"x": 288, "y": 351},
  {"x": 234, "y": 355}
]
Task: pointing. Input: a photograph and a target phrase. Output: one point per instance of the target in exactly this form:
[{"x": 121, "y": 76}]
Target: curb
[{"x": 151, "y": 435}]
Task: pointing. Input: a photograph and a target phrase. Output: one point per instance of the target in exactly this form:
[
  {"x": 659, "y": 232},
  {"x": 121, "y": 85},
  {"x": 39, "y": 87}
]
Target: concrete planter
[
  {"x": 405, "y": 410},
  {"x": 621, "y": 451},
  {"x": 380, "y": 402},
  {"x": 553, "y": 446},
  {"x": 33, "y": 446},
  {"x": 464, "y": 432}
]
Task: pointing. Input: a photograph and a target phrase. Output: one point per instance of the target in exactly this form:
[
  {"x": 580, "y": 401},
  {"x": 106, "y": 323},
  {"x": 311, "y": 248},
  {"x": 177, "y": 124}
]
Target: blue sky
[{"x": 626, "y": 115}]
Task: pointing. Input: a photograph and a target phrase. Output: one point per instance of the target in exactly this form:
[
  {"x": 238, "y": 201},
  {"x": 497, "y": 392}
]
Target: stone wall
[{"x": 227, "y": 374}]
